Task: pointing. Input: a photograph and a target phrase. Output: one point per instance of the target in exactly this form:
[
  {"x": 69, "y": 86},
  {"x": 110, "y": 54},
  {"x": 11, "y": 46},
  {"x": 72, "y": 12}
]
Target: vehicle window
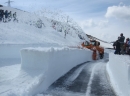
[
  {"x": 93, "y": 43},
  {"x": 86, "y": 43}
]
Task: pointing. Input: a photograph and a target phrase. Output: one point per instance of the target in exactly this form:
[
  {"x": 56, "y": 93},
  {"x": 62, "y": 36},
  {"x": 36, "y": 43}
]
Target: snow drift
[
  {"x": 119, "y": 72},
  {"x": 51, "y": 63}
]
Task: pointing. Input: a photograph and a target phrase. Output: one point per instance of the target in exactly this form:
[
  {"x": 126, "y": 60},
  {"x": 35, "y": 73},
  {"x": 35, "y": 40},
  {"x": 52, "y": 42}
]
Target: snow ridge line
[{"x": 90, "y": 81}]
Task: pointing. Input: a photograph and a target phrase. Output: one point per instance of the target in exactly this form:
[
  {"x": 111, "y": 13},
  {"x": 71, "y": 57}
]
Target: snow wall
[
  {"x": 119, "y": 71},
  {"x": 52, "y": 63}
]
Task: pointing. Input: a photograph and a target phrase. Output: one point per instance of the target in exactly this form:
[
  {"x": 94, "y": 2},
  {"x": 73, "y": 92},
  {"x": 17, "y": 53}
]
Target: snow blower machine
[{"x": 98, "y": 51}]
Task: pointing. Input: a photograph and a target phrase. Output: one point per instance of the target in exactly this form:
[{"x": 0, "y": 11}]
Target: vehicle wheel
[{"x": 101, "y": 56}]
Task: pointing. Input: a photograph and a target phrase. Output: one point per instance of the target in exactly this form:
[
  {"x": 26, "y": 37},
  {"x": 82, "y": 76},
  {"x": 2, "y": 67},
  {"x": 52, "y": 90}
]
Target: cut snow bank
[
  {"x": 51, "y": 64},
  {"x": 119, "y": 71}
]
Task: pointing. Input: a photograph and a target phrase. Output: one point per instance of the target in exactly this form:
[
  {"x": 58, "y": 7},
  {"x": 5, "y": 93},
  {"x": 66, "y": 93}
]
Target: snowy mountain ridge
[{"x": 27, "y": 30}]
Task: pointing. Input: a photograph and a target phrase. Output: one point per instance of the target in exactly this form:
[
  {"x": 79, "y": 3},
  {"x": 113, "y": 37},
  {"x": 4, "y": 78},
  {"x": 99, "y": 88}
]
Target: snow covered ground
[
  {"x": 28, "y": 54},
  {"x": 17, "y": 79}
]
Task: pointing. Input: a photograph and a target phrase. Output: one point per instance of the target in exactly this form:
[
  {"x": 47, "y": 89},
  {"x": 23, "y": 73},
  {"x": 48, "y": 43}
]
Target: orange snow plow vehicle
[{"x": 95, "y": 47}]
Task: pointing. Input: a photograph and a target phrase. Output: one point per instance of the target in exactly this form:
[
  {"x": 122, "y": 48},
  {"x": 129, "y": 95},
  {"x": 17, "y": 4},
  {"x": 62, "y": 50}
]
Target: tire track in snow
[
  {"x": 74, "y": 87},
  {"x": 89, "y": 80},
  {"x": 100, "y": 85},
  {"x": 80, "y": 83}
]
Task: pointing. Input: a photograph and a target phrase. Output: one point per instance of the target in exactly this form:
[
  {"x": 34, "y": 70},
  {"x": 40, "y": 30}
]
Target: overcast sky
[{"x": 105, "y": 19}]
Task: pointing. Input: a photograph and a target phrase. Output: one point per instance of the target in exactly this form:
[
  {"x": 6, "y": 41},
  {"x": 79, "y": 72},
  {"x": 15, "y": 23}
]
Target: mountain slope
[{"x": 26, "y": 31}]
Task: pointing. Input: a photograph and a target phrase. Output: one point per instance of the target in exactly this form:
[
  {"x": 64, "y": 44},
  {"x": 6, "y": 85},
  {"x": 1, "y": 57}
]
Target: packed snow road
[{"x": 88, "y": 79}]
